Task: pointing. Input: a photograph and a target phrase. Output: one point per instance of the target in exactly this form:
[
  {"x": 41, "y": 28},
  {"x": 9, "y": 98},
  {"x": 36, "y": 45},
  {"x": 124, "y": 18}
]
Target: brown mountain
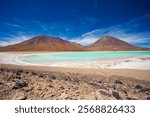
[
  {"x": 111, "y": 43},
  {"x": 48, "y": 43},
  {"x": 44, "y": 43}
]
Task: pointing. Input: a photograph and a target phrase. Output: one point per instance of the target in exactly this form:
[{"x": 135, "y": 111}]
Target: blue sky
[{"x": 82, "y": 21}]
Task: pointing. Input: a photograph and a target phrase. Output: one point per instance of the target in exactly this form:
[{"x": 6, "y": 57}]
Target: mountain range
[{"x": 49, "y": 43}]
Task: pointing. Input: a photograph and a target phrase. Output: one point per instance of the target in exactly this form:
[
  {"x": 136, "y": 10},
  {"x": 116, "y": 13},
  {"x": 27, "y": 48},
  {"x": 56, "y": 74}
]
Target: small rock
[
  {"x": 92, "y": 83},
  {"x": 53, "y": 77},
  {"x": 116, "y": 95},
  {"x": 50, "y": 77},
  {"x": 101, "y": 86},
  {"x": 23, "y": 98},
  {"x": 19, "y": 84},
  {"x": 18, "y": 72},
  {"x": 118, "y": 82},
  {"x": 1, "y": 69},
  {"x": 32, "y": 73},
  {"x": 145, "y": 90},
  {"x": 15, "y": 85},
  {"x": 76, "y": 81},
  {"x": 23, "y": 83},
  {"x": 18, "y": 77},
  {"x": 130, "y": 98},
  {"x": 138, "y": 87},
  {"x": 114, "y": 87},
  {"x": 142, "y": 89},
  {"x": 104, "y": 93},
  {"x": 19, "y": 96},
  {"x": 49, "y": 80},
  {"x": 40, "y": 75},
  {"x": 26, "y": 89},
  {"x": 125, "y": 91},
  {"x": 148, "y": 98},
  {"x": 1, "y": 83},
  {"x": 62, "y": 87},
  {"x": 51, "y": 86},
  {"x": 26, "y": 72}
]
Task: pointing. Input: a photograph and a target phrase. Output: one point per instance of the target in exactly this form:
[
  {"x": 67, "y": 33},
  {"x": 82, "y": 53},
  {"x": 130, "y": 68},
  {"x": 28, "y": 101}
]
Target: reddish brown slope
[
  {"x": 44, "y": 43},
  {"x": 47, "y": 43},
  {"x": 111, "y": 43}
]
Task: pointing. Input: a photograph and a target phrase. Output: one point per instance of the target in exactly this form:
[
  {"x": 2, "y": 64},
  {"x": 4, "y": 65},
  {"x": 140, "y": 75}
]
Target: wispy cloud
[
  {"x": 16, "y": 30},
  {"x": 13, "y": 25},
  {"x": 88, "y": 38},
  {"x": 131, "y": 32},
  {"x": 13, "y": 40}
]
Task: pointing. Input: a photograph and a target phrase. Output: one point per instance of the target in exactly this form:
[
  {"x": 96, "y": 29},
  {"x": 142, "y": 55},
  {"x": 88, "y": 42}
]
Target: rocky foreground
[{"x": 22, "y": 84}]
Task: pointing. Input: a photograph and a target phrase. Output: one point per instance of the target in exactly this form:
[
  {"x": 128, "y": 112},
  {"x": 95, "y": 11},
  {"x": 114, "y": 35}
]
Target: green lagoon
[{"x": 86, "y": 59}]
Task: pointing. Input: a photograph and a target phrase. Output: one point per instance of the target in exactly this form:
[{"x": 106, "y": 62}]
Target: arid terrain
[{"x": 46, "y": 83}]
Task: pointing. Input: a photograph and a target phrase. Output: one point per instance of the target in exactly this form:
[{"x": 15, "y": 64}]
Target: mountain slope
[
  {"x": 48, "y": 43},
  {"x": 44, "y": 43},
  {"x": 111, "y": 43}
]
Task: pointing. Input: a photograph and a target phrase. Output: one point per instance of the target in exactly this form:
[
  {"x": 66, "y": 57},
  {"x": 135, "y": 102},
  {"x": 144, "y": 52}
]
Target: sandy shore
[{"x": 35, "y": 82}]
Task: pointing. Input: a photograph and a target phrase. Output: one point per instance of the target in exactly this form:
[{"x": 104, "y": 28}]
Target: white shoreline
[{"x": 137, "y": 62}]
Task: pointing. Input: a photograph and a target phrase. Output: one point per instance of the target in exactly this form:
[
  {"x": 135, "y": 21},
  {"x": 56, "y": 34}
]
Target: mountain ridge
[
  {"x": 109, "y": 40},
  {"x": 49, "y": 43},
  {"x": 111, "y": 43}
]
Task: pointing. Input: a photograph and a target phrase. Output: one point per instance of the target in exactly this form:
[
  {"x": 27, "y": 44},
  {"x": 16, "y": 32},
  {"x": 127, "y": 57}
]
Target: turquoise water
[{"x": 69, "y": 57}]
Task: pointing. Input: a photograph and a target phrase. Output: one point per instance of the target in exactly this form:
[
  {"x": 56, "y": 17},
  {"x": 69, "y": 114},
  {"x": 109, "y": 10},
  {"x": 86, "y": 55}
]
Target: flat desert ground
[{"x": 24, "y": 82}]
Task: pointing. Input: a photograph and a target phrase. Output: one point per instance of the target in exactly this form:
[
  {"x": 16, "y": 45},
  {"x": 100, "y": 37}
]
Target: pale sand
[{"x": 137, "y": 74}]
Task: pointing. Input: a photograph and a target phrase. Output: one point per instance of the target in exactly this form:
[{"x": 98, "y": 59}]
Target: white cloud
[
  {"x": 85, "y": 41},
  {"x": 13, "y": 25},
  {"x": 88, "y": 38},
  {"x": 3, "y": 43},
  {"x": 14, "y": 40}
]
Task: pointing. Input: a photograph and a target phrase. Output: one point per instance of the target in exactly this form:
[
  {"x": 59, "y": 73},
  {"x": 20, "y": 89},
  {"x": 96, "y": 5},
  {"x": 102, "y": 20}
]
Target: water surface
[{"x": 86, "y": 59}]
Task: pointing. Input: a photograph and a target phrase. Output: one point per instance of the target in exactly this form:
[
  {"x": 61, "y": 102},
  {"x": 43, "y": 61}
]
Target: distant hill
[
  {"x": 44, "y": 43},
  {"x": 111, "y": 43},
  {"x": 48, "y": 43}
]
